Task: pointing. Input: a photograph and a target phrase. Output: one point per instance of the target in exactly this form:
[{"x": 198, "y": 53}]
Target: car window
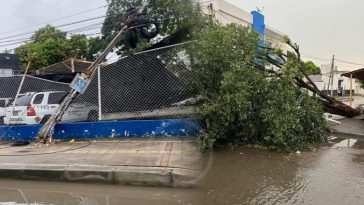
[
  {"x": 56, "y": 98},
  {"x": 2, "y": 103},
  {"x": 38, "y": 99},
  {"x": 24, "y": 101}
]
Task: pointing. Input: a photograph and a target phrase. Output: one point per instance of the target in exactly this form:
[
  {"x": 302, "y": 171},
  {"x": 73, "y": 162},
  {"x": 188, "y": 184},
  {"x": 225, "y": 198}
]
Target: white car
[{"x": 37, "y": 108}]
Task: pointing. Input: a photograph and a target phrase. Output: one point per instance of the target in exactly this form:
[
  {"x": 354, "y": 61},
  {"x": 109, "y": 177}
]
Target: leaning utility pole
[
  {"x": 331, "y": 80},
  {"x": 132, "y": 19}
]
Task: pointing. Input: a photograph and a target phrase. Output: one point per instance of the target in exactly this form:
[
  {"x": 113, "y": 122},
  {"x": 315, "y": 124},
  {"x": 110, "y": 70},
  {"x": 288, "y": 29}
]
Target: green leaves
[
  {"x": 176, "y": 20},
  {"x": 50, "y": 45},
  {"x": 312, "y": 69},
  {"x": 245, "y": 105}
]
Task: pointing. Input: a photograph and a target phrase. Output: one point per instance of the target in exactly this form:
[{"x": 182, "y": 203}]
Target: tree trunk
[{"x": 331, "y": 105}]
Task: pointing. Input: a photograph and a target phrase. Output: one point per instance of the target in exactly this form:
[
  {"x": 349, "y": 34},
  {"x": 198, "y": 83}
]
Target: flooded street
[{"x": 332, "y": 174}]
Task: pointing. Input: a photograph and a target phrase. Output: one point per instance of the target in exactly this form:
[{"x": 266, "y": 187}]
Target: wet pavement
[{"x": 331, "y": 174}]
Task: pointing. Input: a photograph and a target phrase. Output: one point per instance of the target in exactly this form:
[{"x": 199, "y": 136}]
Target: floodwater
[{"x": 332, "y": 174}]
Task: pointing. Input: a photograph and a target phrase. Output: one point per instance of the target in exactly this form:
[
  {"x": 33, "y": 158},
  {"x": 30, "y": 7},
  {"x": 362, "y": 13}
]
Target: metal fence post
[
  {"x": 99, "y": 91},
  {"x": 18, "y": 92}
]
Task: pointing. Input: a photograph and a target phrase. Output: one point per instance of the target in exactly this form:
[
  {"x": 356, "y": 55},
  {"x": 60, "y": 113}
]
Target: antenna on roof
[{"x": 260, "y": 10}]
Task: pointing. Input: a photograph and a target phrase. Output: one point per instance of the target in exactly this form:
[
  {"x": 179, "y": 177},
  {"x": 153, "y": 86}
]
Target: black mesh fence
[
  {"x": 152, "y": 84},
  {"x": 147, "y": 85}
]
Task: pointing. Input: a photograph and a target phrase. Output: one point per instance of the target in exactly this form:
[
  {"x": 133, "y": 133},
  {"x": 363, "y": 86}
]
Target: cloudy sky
[{"x": 321, "y": 27}]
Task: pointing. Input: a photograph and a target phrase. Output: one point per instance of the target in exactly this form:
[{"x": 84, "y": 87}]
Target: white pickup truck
[
  {"x": 37, "y": 108},
  {"x": 3, "y": 103}
]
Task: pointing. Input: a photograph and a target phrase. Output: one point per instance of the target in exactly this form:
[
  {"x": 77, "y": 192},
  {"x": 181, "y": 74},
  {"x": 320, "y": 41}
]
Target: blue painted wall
[
  {"x": 132, "y": 128},
  {"x": 258, "y": 24}
]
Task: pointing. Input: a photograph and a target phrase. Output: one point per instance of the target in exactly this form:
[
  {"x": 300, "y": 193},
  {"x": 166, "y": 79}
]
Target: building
[
  {"x": 340, "y": 85},
  {"x": 227, "y": 13},
  {"x": 9, "y": 64}
]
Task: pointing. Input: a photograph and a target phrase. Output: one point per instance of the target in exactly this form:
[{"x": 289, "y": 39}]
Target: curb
[{"x": 123, "y": 175}]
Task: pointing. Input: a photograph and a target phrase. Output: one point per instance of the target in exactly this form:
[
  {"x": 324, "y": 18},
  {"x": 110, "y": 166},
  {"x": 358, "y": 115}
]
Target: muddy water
[{"x": 332, "y": 174}]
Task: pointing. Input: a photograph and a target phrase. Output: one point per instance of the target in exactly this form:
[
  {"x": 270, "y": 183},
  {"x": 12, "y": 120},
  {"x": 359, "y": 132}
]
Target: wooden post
[{"x": 351, "y": 89}]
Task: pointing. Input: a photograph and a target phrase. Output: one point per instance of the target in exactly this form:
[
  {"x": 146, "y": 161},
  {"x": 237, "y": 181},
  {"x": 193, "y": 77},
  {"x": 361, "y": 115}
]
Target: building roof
[
  {"x": 9, "y": 61},
  {"x": 358, "y": 74},
  {"x": 70, "y": 65}
]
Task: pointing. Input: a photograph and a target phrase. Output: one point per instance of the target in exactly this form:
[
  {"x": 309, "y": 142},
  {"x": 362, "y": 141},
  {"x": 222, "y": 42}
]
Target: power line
[
  {"x": 60, "y": 26},
  {"x": 338, "y": 60},
  {"x": 78, "y": 29},
  {"x": 86, "y": 27},
  {"x": 73, "y": 31},
  {"x": 350, "y": 63},
  {"x": 53, "y": 20},
  {"x": 87, "y": 35},
  {"x": 316, "y": 58},
  {"x": 4, "y": 39}
]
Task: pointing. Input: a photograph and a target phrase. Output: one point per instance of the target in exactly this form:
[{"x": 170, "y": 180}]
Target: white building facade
[
  {"x": 227, "y": 13},
  {"x": 339, "y": 85}
]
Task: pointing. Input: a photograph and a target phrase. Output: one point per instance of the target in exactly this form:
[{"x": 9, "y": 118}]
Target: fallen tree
[
  {"x": 246, "y": 103},
  {"x": 278, "y": 59}
]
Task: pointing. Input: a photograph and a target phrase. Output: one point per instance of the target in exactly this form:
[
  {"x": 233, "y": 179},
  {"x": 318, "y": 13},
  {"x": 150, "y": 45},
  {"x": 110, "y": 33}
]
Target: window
[
  {"x": 56, "y": 98},
  {"x": 2, "y": 103},
  {"x": 38, "y": 99},
  {"x": 24, "y": 101}
]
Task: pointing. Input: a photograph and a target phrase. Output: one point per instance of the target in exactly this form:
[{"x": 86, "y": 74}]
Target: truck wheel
[{"x": 92, "y": 116}]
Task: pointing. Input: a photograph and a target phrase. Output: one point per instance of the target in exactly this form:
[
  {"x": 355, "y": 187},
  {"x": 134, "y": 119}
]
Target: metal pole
[
  {"x": 351, "y": 89},
  {"x": 99, "y": 91}
]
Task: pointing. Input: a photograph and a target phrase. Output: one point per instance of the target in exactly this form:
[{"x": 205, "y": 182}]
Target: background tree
[
  {"x": 95, "y": 45},
  {"x": 78, "y": 46},
  {"x": 49, "y": 45},
  {"x": 312, "y": 69}
]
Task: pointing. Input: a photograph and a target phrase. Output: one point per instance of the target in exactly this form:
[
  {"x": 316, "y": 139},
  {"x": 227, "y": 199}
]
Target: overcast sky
[{"x": 321, "y": 27}]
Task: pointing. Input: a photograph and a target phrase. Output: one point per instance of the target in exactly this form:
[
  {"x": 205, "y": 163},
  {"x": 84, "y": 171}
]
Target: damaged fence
[{"x": 155, "y": 84}]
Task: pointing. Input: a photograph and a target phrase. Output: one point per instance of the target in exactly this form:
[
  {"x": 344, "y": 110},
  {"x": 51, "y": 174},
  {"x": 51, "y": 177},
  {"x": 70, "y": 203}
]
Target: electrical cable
[
  {"x": 56, "y": 19},
  {"x": 60, "y": 26},
  {"x": 80, "y": 21}
]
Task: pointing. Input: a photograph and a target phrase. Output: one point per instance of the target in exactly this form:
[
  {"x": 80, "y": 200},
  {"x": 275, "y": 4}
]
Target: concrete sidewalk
[
  {"x": 168, "y": 162},
  {"x": 349, "y": 128}
]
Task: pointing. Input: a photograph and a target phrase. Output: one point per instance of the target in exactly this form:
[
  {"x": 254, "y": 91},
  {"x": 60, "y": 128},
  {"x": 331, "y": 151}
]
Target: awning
[
  {"x": 70, "y": 65},
  {"x": 358, "y": 74}
]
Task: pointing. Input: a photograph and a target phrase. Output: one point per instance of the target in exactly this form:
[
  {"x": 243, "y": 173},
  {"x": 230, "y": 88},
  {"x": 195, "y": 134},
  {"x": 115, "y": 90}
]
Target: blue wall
[
  {"x": 258, "y": 24},
  {"x": 131, "y": 128}
]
